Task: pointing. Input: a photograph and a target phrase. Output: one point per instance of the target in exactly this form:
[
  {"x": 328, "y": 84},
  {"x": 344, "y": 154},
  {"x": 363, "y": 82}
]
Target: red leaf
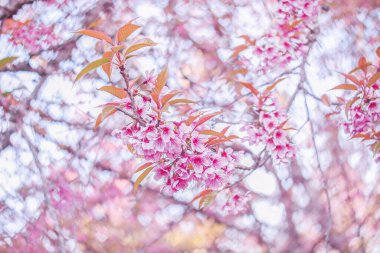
[{"x": 345, "y": 86}]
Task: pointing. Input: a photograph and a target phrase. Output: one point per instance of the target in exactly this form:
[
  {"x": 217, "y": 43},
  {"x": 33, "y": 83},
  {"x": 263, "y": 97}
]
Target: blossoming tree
[{"x": 189, "y": 126}]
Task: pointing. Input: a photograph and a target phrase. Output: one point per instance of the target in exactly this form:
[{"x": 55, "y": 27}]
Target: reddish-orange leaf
[
  {"x": 160, "y": 83},
  {"x": 352, "y": 78},
  {"x": 373, "y": 79},
  {"x": 117, "y": 92},
  {"x": 107, "y": 68},
  {"x": 167, "y": 97},
  {"x": 362, "y": 63},
  {"x": 96, "y": 34},
  {"x": 220, "y": 141},
  {"x": 141, "y": 178},
  {"x": 106, "y": 112},
  {"x": 213, "y": 133},
  {"x": 192, "y": 118},
  {"x": 250, "y": 87},
  {"x": 271, "y": 87},
  {"x": 126, "y": 30},
  {"x": 325, "y": 99},
  {"x": 378, "y": 52},
  {"x": 201, "y": 194},
  {"x": 139, "y": 45},
  {"x": 181, "y": 101},
  {"x": 206, "y": 118},
  {"x": 237, "y": 50},
  {"x": 345, "y": 86},
  {"x": 144, "y": 166}
]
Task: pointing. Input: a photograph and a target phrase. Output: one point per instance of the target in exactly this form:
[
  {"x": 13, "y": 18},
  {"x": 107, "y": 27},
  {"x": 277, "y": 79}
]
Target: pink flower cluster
[
  {"x": 268, "y": 130},
  {"x": 181, "y": 155},
  {"x": 33, "y": 36},
  {"x": 363, "y": 116},
  {"x": 289, "y": 37},
  {"x": 238, "y": 203}
]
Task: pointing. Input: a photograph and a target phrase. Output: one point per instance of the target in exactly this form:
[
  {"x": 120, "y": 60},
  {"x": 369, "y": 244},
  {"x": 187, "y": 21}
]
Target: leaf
[
  {"x": 6, "y": 60},
  {"x": 106, "y": 112},
  {"x": 220, "y": 141},
  {"x": 139, "y": 45},
  {"x": 192, "y": 118},
  {"x": 160, "y": 83},
  {"x": 237, "y": 50},
  {"x": 362, "y": 63},
  {"x": 117, "y": 48},
  {"x": 325, "y": 100},
  {"x": 96, "y": 34},
  {"x": 345, "y": 86},
  {"x": 91, "y": 66},
  {"x": 167, "y": 97},
  {"x": 213, "y": 133},
  {"x": 117, "y": 92},
  {"x": 378, "y": 52},
  {"x": 201, "y": 194},
  {"x": 141, "y": 178},
  {"x": 181, "y": 101},
  {"x": 144, "y": 166},
  {"x": 206, "y": 118},
  {"x": 271, "y": 87},
  {"x": 352, "y": 78},
  {"x": 107, "y": 68},
  {"x": 250, "y": 87},
  {"x": 206, "y": 200},
  {"x": 373, "y": 79},
  {"x": 126, "y": 30}
]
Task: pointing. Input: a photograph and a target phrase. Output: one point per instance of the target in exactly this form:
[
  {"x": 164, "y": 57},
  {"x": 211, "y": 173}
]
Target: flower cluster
[
  {"x": 180, "y": 153},
  {"x": 238, "y": 203},
  {"x": 362, "y": 110},
  {"x": 268, "y": 129},
  {"x": 290, "y": 35},
  {"x": 32, "y": 36}
]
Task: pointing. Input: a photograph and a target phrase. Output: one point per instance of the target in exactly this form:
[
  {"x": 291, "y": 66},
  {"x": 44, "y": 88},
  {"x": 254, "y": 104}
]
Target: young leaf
[
  {"x": 91, "y": 66},
  {"x": 202, "y": 194},
  {"x": 345, "y": 86},
  {"x": 271, "y": 87},
  {"x": 6, "y": 60},
  {"x": 117, "y": 92},
  {"x": 141, "y": 44},
  {"x": 206, "y": 200},
  {"x": 206, "y": 118},
  {"x": 352, "y": 78},
  {"x": 181, "y": 101},
  {"x": 373, "y": 79},
  {"x": 144, "y": 166},
  {"x": 237, "y": 50},
  {"x": 126, "y": 30},
  {"x": 167, "y": 97},
  {"x": 160, "y": 83},
  {"x": 106, "y": 112},
  {"x": 141, "y": 178},
  {"x": 378, "y": 52},
  {"x": 107, "y": 67},
  {"x": 213, "y": 133},
  {"x": 250, "y": 87},
  {"x": 96, "y": 34}
]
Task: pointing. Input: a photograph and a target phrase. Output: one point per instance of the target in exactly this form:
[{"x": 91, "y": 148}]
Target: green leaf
[
  {"x": 91, "y": 66},
  {"x": 6, "y": 60}
]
